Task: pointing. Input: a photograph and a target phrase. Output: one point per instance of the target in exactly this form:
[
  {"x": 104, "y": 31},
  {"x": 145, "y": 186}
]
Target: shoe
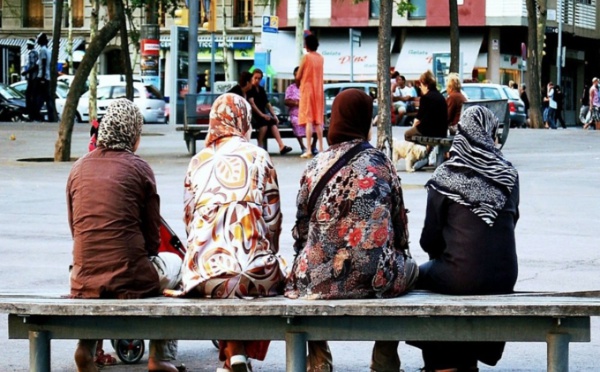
[
  {"x": 306, "y": 155},
  {"x": 314, "y": 152},
  {"x": 102, "y": 359},
  {"x": 223, "y": 370},
  {"x": 285, "y": 150},
  {"x": 421, "y": 163},
  {"x": 239, "y": 363}
]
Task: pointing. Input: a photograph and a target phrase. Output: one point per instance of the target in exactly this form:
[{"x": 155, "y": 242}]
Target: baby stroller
[{"x": 131, "y": 351}]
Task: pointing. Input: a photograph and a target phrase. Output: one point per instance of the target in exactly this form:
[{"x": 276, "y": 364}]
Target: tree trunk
[
  {"x": 534, "y": 62},
  {"x": 454, "y": 38},
  {"x": 93, "y": 107},
  {"x": 62, "y": 148},
  {"x": 125, "y": 57},
  {"x": 384, "y": 122},
  {"x": 300, "y": 29},
  {"x": 56, "y": 31}
]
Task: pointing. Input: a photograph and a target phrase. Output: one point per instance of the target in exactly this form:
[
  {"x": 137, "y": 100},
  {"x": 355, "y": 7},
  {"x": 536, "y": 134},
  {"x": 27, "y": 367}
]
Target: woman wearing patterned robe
[
  {"x": 233, "y": 221},
  {"x": 469, "y": 233},
  {"x": 354, "y": 242}
]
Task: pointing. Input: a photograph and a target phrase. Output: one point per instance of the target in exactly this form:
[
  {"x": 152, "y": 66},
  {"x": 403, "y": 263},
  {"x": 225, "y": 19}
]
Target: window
[
  {"x": 103, "y": 93},
  {"x": 374, "y": 6},
  {"x": 421, "y": 9},
  {"x": 119, "y": 92},
  {"x": 491, "y": 93},
  {"x": 242, "y": 13},
  {"x": 33, "y": 15},
  {"x": 77, "y": 9},
  {"x": 586, "y": 2}
]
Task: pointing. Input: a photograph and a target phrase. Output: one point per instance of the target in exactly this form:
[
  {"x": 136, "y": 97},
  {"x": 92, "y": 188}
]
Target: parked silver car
[
  {"x": 516, "y": 107},
  {"x": 333, "y": 89},
  {"x": 147, "y": 98}
]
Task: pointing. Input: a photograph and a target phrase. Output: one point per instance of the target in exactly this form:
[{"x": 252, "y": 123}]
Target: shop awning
[
  {"x": 418, "y": 50},
  {"x": 336, "y": 51},
  {"x": 62, "y": 55}
]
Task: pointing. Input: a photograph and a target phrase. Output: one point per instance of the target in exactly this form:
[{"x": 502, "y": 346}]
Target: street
[{"x": 556, "y": 235}]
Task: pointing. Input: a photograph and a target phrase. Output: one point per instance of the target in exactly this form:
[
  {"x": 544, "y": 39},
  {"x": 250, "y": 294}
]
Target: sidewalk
[{"x": 556, "y": 235}]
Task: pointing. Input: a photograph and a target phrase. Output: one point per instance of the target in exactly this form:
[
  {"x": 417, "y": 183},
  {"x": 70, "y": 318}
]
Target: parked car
[
  {"x": 333, "y": 89},
  {"x": 62, "y": 89},
  {"x": 147, "y": 98},
  {"x": 516, "y": 107},
  {"x": 12, "y": 104}
]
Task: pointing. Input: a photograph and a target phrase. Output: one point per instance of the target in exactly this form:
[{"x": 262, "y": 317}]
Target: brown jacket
[
  {"x": 114, "y": 217},
  {"x": 455, "y": 102}
]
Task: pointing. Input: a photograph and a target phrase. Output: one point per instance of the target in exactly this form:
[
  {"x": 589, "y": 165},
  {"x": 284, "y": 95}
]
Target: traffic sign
[{"x": 270, "y": 24}]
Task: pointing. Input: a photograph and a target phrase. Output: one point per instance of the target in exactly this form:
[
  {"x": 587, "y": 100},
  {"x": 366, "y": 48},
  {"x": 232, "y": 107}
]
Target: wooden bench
[
  {"x": 498, "y": 107},
  {"x": 554, "y": 318},
  {"x": 195, "y": 126}
]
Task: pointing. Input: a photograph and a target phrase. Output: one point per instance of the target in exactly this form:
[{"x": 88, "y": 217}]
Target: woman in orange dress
[{"x": 312, "y": 100}]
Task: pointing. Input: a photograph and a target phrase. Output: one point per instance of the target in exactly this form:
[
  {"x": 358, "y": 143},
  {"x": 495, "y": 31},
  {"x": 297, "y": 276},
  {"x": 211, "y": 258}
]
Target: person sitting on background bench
[
  {"x": 432, "y": 117},
  {"x": 114, "y": 216},
  {"x": 469, "y": 233},
  {"x": 233, "y": 221},
  {"x": 350, "y": 199},
  {"x": 455, "y": 101},
  {"x": 403, "y": 98},
  {"x": 244, "y": 84},
  {"x": 263, "y": 115}
]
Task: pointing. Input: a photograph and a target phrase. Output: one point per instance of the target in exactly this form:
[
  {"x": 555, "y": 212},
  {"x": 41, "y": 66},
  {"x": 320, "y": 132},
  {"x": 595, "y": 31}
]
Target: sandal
[{"x": 103, "y": 360}]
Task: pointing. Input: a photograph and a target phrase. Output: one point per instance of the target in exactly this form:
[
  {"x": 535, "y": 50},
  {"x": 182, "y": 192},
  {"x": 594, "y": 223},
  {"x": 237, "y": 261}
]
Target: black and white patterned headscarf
[
  {"x": 121, "y": 126},
  {"x": 477, "y": 175}
]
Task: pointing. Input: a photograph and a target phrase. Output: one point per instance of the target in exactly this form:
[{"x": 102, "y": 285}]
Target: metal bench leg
[
  {"x": 558, "y": 352},
  {"x": 39, "y": 351},
  {"x": 295, "y": 352}
]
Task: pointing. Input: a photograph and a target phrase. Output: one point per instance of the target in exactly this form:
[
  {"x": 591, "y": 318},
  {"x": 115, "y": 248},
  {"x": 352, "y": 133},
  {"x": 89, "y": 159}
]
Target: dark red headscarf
[{"x": 351, "y": 115}]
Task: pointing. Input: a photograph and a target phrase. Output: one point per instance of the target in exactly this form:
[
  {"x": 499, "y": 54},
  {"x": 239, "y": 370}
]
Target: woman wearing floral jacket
[{"x": 354, "y": 242}]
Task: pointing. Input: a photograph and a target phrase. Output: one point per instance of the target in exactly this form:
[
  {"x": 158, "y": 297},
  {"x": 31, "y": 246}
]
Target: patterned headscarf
[
  {"x": 351, "y": 115},
  {"x": 121, "y": 126},
  {"x": 477, "y": 174},
  {"x": 229, "y": 116}
]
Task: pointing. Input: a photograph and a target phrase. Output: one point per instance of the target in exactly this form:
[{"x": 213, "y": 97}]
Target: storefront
[
  {"x": 419, "y": 49},
  {"x": 236, "y": 55},
  {"x": 336, "y": 52}
]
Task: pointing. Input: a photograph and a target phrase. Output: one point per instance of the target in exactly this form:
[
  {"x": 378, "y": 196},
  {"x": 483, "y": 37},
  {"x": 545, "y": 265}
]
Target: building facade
[{"x": 493, "y": 34}]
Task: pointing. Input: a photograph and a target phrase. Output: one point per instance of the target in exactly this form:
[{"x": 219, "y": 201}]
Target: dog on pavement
[{"x": 408, "y": 151}]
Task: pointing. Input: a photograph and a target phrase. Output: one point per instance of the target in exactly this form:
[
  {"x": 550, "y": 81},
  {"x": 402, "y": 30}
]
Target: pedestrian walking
[
  {"x": 585, "y": 116},
  {"x": 43, "y": 78},
  {"x": 551, "y": 112},
  {"x": 312, "y": 99},
  {"x": 525, "y": 100},
  {"x": 559, "y": 97},
  {"x": 30, "y": 73},
  {"x": 595, "y": 102}
]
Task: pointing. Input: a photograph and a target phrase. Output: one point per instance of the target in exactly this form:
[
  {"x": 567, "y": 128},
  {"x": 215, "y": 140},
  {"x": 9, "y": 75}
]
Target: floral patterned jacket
[{"x": 354, "y": 243}]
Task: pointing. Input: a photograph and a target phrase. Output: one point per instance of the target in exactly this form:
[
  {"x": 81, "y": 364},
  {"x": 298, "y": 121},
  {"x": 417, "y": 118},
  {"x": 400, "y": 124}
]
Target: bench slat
[{"x": 416, "y": 303}]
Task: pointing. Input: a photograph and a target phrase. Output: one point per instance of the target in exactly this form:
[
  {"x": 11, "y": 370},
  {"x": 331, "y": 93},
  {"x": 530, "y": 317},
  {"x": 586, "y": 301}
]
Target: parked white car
[
  {"x": 62, "y": 89},
  {"x": 147, "y": 98}
]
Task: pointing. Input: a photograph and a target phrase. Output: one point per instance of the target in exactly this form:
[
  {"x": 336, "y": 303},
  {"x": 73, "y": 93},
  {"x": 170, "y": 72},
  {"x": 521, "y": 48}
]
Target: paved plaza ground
[{"x": 557, "y": 235}]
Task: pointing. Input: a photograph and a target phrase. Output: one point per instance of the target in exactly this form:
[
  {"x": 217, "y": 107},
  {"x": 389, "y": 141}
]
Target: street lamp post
[{"x": 559, "y": 56}]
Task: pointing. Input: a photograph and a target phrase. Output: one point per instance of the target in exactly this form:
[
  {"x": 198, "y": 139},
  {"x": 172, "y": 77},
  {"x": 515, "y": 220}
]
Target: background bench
[
  {"x": 556, "y": 319},
  {"x": 498, "y": 107},
  {"x": 197, "y": 110}
]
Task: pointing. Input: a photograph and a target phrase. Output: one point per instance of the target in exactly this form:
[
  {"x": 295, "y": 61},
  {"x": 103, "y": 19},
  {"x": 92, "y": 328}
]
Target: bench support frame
[{"x": 296, "y": 330}]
